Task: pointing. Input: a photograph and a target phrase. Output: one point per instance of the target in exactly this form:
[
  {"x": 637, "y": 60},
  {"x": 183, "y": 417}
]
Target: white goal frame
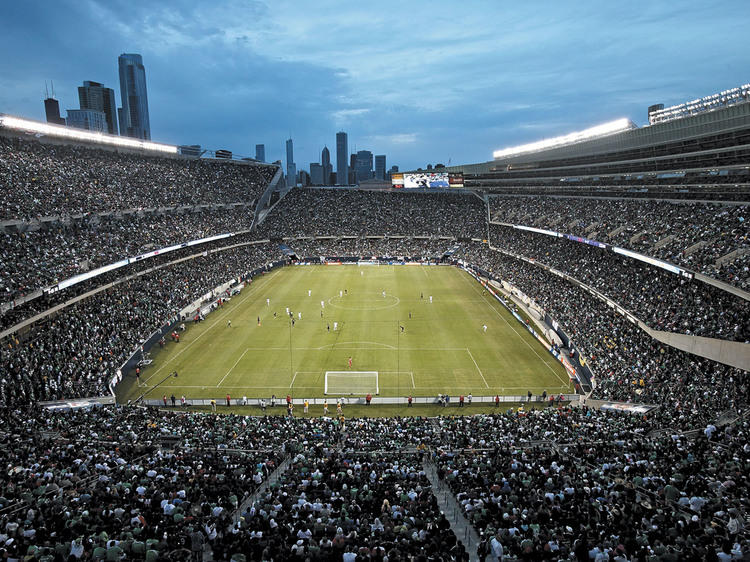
[{"x": 364, "y": 388}]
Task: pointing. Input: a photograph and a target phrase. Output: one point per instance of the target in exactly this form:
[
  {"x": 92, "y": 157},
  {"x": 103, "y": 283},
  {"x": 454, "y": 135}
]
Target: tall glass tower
[
  {"x": 291, "y": 167},
  {"x": 325, "y": 160},
  {"x": 342, "y": 158},
  {"x": 93, "y": 95},
  {"x": 133, "y": 114}
]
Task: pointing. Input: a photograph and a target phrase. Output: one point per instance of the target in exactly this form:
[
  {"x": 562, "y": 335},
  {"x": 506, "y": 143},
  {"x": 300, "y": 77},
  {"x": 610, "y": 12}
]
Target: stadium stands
[
  {"x": 555, "y": 483},
  {"x": 662, "y": 299},
  {"x": 629, "y": 365},
  {"x": 548, "y": 484},
  {"x": 36, "y": 259},
  {"x": 340, "y": 212},
  {"x": 44, "y": 180},
  {"x": 74, "y": 354},
  {"x": 710, "y": 238}
]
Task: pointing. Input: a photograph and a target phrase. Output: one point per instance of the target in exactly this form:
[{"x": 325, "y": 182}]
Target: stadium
[{"x": 547, "y": 351}]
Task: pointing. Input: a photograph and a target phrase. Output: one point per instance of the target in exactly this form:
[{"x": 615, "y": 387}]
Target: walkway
[{"x": 453, "y": 513}]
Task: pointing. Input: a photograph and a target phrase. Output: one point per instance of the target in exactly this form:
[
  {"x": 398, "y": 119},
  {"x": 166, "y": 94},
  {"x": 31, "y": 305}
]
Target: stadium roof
[
  {"x": 597, "y": 131},
  {"x": 38, "y": 128}
]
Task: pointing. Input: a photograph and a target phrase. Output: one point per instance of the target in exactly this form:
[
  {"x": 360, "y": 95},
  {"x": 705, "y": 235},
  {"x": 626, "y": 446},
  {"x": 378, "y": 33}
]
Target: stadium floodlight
[
  {"x": 707, "y": 103},
  {"x": 587, "y": 134},
  {"x": 16, "y": 123}
]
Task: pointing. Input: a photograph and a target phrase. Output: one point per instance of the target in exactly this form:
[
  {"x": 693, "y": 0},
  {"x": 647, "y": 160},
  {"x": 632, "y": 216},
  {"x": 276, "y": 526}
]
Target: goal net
[{"x": 351, "y": 382}]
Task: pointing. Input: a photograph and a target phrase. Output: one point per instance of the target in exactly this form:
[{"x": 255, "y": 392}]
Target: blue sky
[{"x": 422, "y": 82}]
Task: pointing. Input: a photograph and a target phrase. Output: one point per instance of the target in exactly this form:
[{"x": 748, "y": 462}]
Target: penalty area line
[
  {"x": 233, "y": 366},
  {"x": 291, "y": 384},
  {"x": 477, "y": 366}
]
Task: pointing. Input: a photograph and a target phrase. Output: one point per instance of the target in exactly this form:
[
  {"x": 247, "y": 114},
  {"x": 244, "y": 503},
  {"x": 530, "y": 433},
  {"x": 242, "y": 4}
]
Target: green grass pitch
[{"x": 443, "y": 347}]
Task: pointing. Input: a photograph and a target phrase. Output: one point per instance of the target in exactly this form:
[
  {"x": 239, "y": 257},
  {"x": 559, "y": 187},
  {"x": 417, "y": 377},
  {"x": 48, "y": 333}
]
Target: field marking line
[
  {"x": 337, "y": 345},
  {"x": 411, "y": 373},
  {"x": 517, "y": 333},
  {"x": 432, "y": 348},
  {"x": 291, "y": 384},
  {"x": 233, "y": 366},
  {"x": 365, "y": 308},
  {"x": 477, "y": 366},
  {"x": 188, "y": 346},
  {"x": 424, "y": 270},
  {"x": 258, "y": 387},
  {"x": 386, "y": 347}
]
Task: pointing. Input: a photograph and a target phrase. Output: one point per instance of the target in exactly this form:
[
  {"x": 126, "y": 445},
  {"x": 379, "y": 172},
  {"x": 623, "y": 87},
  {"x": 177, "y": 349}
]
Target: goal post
[{"x": 351, "y": 382}]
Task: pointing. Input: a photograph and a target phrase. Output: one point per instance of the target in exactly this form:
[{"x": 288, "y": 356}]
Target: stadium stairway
[
  {"x": 272, "y": 478},
  {"x": 452, "y": 511}
]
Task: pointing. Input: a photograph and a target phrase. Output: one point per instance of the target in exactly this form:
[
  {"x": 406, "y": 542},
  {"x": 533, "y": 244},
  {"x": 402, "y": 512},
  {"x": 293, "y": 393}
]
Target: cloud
[
  {"x": 461, "y": 78},
  {"x": 343, "y": 116},
  {"x": 395, "y": 139}
]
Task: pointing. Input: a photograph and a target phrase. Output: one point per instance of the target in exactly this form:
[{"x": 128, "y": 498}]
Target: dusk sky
[{"x": 422, "y": 82}]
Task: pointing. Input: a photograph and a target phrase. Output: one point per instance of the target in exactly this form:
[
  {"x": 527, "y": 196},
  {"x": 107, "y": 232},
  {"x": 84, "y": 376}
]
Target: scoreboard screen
[
  {"x": 397, "y": 181},
  {"x": 456, "y": 179},
  {"x": 426, "y": 180}
]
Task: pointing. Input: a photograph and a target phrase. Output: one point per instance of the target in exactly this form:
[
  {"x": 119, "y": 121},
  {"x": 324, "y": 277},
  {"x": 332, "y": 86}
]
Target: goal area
[{"x": 351, "y": 382}]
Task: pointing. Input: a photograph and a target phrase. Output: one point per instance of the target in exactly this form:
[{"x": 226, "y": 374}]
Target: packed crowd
[
  {"x": 39, "y": 180},
  {"x": 348, "y": 507},
  {"x": 691, "y": 234},
  {"x": 556, "y": 483},
  {"x": 91, "y": 485},
  {"x": 368, "y": 247},
  {"x": 74, "y": 353},
  {"x": 628, "y": 364},
  {"x": 663, "y": 300},
  {"x": 40, "y": 301},
  {"x": 351, "y": 212},
  {"x": 665, "y": 498},
  {"x": 34, "y": 259}
]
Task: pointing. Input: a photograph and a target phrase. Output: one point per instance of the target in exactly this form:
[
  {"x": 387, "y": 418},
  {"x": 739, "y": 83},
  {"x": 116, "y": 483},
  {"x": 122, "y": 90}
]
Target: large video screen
[
  {"x": 397, "y": 180},
  {"x": 426, "y": 180}
]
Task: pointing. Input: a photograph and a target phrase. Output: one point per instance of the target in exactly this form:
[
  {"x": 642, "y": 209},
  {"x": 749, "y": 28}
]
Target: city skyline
[{"x": 452, "y": 91}]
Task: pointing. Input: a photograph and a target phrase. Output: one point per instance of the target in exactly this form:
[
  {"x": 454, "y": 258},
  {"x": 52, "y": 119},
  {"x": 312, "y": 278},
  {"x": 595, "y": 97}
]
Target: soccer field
[{"x": 420, "y": 328}]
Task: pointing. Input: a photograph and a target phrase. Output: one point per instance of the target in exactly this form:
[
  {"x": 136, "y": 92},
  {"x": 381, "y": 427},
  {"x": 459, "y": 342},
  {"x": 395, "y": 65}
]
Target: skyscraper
[
  {"x": 133, "y": 114},
  {"x": 342, "y": 157},
  {"x": 94, "y": 96},
  {"x": 52, "y": 107},
  {"x": 260, "y": 152},
  {"x": 88, "y": 119},
  {"x": 316, "y": 174},
  {"x": 52, "y": 111},
  {"x": 363, "y": 165},
  {"x": 325, "y": 161},
  {"x": 380, "y": 167},
  {"x": 291, "y": 167}
]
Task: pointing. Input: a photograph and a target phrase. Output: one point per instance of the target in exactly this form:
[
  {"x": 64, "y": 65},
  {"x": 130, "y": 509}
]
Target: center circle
[{"x": 377, "y": 302}]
